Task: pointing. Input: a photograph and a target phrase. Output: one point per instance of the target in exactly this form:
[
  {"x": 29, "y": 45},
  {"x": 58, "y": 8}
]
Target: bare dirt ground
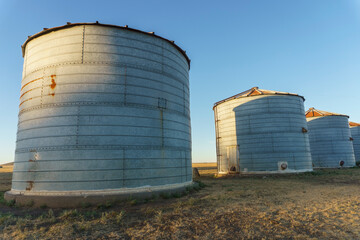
[{"x": 320, "y": 205}]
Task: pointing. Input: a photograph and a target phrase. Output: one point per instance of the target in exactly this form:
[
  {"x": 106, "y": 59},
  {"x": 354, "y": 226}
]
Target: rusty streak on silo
[
  {"x": 262, "y": 131},
  {"x": 330, "y": 139},
  {"x": 104, "y": 111}
]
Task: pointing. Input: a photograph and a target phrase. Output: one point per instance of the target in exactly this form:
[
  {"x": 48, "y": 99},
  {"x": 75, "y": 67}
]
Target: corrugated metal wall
[
  {"x": 259, "y": 133},
  {"x": 330, "y": 141},
  {"x": 355, "y": 133},
  {"x": 102, "y": 108}
]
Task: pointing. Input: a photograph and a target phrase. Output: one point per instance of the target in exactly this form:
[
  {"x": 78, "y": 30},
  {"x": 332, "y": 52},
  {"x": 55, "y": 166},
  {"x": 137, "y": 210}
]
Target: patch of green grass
[
  {"x": 165, "y": 195},
  {"x": 176, "y": 195},
  {"x": 105, "y": 206},
  {"x": 2, "y": 199},
  {"x": 91, "y": 214},
  {"x": 10, "y": 203},
  {"x": 85, "y": 204},
  {"x": 69, "y": 214},
  {"x": 6, "y": 219}
]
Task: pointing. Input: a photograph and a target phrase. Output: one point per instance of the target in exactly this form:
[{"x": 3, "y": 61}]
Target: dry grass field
[{"x": 320, "y": 205}]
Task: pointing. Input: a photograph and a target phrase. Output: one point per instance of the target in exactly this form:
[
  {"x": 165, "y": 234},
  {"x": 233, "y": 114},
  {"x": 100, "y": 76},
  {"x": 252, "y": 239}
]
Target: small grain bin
[
  {"x": 355, "y": 134},
  {"x": 262, "y": 131},
  {"x": 330, "y": 139},
  {"x": 104, "y": 112}
]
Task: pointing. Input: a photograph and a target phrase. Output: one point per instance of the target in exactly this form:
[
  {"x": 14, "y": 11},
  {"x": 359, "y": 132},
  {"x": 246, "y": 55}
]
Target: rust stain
[
  {"x": 25, "y": 93},
  {"x": 30, "y": 185},
  {"x": 52, "y": 94},
  {"x": 31, "y": 160},
  {"x": 53, "y": 83},
  {"x": 31, "y": 82},
  {"x": 25, "y": 101}
]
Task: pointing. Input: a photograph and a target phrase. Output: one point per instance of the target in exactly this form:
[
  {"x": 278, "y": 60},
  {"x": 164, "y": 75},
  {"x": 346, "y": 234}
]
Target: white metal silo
[
  {"x": 355, "y": 134},
  {"x": 104, "y": 111},
  {"x": 262, "y": 131},
  {"x": 330, "y": 139}
]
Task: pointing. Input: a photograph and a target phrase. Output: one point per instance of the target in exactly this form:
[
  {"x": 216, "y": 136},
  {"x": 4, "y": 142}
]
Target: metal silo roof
[
  {"x": 312, "y": 112},
  {"x": 354, "y": 124},
  {"x": 255, "y": 91},
  {"x": 69, "y": 25}
]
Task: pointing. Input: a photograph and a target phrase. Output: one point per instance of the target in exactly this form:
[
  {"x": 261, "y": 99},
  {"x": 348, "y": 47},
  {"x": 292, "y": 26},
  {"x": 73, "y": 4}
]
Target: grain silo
[
  {"x": 104, "y": 112},
  {"x": 262, "y": 131},
  {"x": 355, "y": 134},
  {"x": 330, "y": 139}
]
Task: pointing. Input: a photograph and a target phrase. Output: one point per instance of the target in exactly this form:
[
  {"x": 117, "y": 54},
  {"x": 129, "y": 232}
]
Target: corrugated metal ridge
[
  {"x": 312, "y": 112},
  {"x": 69, "y": 25},
  {"x": 354, "y": 124},
  {"x": 255, "y": 91}
]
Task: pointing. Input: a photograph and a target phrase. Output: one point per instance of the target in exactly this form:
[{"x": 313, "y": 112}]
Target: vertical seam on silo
[
  {"x": 162, "y": 127},
  {"x": 125, "y": 80},
  {"x": 42, "y": 87},
  {"x": 182, "y": 173},
  {"x": 123, "y": 167},
  {"x": 184, "y": 99},
  {"x": 294, "y": 161},
  {"x": 83, "y": 43},
  {"x": 77, "y": 127},
  {"x": 162, "y": 57}
]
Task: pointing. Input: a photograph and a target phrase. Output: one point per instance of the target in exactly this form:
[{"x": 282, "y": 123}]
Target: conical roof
[
  {"x": 255, "y": 91},
  {"x": 312, "y": 112},
  {"x": 354, "y": 124}
]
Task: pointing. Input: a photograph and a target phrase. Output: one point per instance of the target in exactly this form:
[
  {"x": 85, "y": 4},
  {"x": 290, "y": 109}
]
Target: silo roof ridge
[
  {"x": 312, "y": 112},
  {"x": 255, "y": 91},
  {"x": 69, "y": 25},
  {"x": 354, "y": 124}
]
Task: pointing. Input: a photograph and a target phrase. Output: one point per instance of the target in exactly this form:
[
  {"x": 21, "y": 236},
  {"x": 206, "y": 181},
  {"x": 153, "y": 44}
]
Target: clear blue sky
[{"x": 307, "y": 47}]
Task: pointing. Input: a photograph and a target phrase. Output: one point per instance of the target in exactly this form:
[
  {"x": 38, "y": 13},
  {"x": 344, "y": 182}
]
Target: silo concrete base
[
  {"x": 73, "y": 199},
  {"x": 266, "y": 172}
]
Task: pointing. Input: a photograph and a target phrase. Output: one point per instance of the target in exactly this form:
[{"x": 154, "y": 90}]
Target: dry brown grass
[
  {"x": 205, "y": 165},
  {"x": 8, "y": 168},
  {"x": 320, "y": 205}
]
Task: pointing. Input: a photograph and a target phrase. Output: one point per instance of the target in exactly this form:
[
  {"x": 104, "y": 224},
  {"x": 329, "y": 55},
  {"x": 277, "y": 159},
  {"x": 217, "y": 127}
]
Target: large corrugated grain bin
[
  {"x": 104, "y": 111},
  {"x": 355, "y": 134},
  {"x": 262, "y": 131},
  {"x": 330, "y": 139}
]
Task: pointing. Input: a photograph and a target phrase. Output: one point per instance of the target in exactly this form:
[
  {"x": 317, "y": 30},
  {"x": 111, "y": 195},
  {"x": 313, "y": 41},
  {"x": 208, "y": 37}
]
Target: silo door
[{"x": 233, "y": 158}]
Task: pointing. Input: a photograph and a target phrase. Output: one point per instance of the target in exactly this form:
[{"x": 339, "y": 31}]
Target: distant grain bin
[
  {"x": 104, "y": 111},
  {"x": 355, "y": 134},
  {"x": 330, "y": 139},
  {"x": 262, "y": 131}
]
